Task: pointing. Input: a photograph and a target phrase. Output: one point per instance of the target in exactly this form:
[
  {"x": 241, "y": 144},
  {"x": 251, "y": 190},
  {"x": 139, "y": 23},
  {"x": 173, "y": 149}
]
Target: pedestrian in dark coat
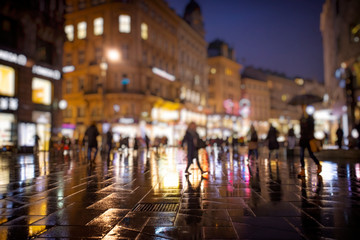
[
  {"x": 253, "y": 143},
  {"x": 91, "y": 135},
  {"x": 339, "y": 135},
  {"x": 307, "y": 127},
  {"x": 192, "y": 140},
  {"x": 273, "y": 142}
]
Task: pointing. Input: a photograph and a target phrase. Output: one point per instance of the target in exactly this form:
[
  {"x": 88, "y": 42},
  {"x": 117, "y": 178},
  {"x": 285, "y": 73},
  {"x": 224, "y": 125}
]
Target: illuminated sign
[
  {"x": 126, "y": 120},
  {"x": 13, "y": 57},
  {"x": 46, "y": 72},
  {"x": 68, "y": 69},
  {"x": 9, "y": 103},
  {"x": 163, "y": 74}
]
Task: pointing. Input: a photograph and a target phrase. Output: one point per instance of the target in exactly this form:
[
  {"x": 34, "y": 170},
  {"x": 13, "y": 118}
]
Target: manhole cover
[{"x": 156, "y": 207}]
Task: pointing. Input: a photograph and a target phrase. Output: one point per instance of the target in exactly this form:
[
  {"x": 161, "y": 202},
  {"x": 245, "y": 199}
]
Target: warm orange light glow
[{"x": 113, "y": 55}]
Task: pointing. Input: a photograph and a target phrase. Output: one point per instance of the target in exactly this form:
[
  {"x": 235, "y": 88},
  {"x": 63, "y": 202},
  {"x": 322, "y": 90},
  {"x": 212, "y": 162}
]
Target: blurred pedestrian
[
  {"x": 192, "y": 140},
  {"x": 307, "y": 127},
  {"x": 273, "y": 143},
  {"x": 339, "y": 135},
  {"x": 37, "y": 143},
  {"x": 291, "y": 142},
  {"x": 91, "y": 135},
  {"x": 147, "y": 142},
  {"x": 253, "y": 143},
  {"x": 109, "y": 141}
]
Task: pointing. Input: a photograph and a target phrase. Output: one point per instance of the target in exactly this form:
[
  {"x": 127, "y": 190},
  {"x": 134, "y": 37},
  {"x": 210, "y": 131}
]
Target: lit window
[
  {"x": 98, "y": 26},
  {"x": 69, "y": 31},
  {"x": 81, "y": 30},
  {"x": 41, "y": 91},
  {"x": 228, "y": 72},
  {"x": 7, "y": 81},
  {"x": 144, "y": 31},
  {"x": 284, "y": 97},
  {"x": 68, "y": 87},
  {"x": 124, "y": 23}
]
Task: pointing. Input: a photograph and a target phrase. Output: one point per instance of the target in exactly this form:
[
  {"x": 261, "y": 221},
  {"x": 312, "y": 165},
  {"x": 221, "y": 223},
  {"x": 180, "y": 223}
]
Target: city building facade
[
  {"x": 135, "y": 67},
  {"x": 270, "y": 93},
  {"x": 340, "y": 28},
  {"x": 31, "y": 41},
  {"x": 225, "y": 102}
]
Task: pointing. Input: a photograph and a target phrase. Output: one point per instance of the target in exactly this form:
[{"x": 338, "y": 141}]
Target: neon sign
[
  {"x": 163, "y": 74},
  {"x": 13, "y": 57},
  {"x": 241, "y": 108},
  {"x": 46, "y": 72}
]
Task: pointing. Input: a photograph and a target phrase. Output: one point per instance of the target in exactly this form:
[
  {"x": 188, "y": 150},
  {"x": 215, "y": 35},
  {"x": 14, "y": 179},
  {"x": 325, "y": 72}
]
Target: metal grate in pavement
[{"x": 156, "y": 207}]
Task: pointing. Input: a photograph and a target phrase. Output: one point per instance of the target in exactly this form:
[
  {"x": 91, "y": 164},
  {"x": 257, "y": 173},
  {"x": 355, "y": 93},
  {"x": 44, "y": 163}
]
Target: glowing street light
[{"x": 113, "y": 55}]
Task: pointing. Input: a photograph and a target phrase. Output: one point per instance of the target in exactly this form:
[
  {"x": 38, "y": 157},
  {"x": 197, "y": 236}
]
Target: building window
[
  {"x": 228, "y": 72},
  {"x": 81, "y": 30},
  {"x": 144, "y": 31},
  {"x": 80, "y": 112},
  {"x": 82, "y": 4},
  {"x": 98, "y": 54},
  {"x": 68, "y": 86},
  {"x": 81, "y": 84},
  {"x": 7, "y": 81},
  {"x": 68, "y": 112},
  {"x": 81, "y": 57},
  {"x": 68, "y": 59},
  {"x": 98, "y": 26},
  {"x": 125, "y": 51},
  {"x": 145, "y": 57},
  {"x": 124, "y": 23},
  {"x": 41, "y": 91},
  {"x": 69, "y": 31}
]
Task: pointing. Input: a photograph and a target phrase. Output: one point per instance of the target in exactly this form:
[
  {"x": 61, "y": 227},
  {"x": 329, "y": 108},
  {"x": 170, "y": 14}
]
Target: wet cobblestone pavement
[{"x": 147, "y": 196}]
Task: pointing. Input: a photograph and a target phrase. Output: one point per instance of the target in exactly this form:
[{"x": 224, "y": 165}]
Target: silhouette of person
[
  {"x": 192, "y": 139},
  {"x": 91, "y": 135},
  {"x": 307, "y": 126},
  {"x": 339, "y": 135},
  {"x": 273, "y": 142}
]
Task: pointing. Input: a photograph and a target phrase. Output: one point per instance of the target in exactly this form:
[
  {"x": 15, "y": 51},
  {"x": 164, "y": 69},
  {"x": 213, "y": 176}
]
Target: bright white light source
[
  {"x": 113, "y": 55},
  {"x": 63, "y": 104},
  {"x": 68, "y": 69},
  {"x": 355, "y": 133},
  {"x": 310, "y": 110},
  {"x": 116, "y": 108},
  {"x": 319, "y": 135}
]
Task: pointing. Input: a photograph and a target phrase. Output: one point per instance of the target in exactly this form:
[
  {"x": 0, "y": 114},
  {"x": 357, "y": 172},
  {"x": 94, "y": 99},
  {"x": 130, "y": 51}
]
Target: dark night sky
[{"x": 279, "y": 35}]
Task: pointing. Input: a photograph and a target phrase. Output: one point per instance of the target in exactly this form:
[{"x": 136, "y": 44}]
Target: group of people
[
  {"x": 194, "y": 143},
  {"x": 307, "y": 127}
]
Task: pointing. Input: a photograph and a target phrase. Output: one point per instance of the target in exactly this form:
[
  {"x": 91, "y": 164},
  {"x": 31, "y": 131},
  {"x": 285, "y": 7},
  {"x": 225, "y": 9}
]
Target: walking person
[
  {"x": 91, "y": 135},
  {"x": 37, "y": 143},
  {"x": 291, "y": 142},
  {"x": 339, "y": 135},
  {"x": 109, "y": 141},
  {"x": 273, "y": 143},
  {"x": 192, "y": 140},
  {"x": 253, "y": 143},
  {"x": 307, "y": 127}
]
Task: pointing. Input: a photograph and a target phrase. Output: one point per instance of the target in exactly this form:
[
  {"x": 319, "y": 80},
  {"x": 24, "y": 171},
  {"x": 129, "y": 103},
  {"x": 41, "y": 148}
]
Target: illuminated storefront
[
  {"x": 22, "y": 118},
  {"x": 8, "y": 106}
]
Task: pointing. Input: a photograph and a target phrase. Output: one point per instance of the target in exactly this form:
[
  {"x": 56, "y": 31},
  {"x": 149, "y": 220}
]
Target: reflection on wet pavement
[{"x": 66, "y": 197}]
